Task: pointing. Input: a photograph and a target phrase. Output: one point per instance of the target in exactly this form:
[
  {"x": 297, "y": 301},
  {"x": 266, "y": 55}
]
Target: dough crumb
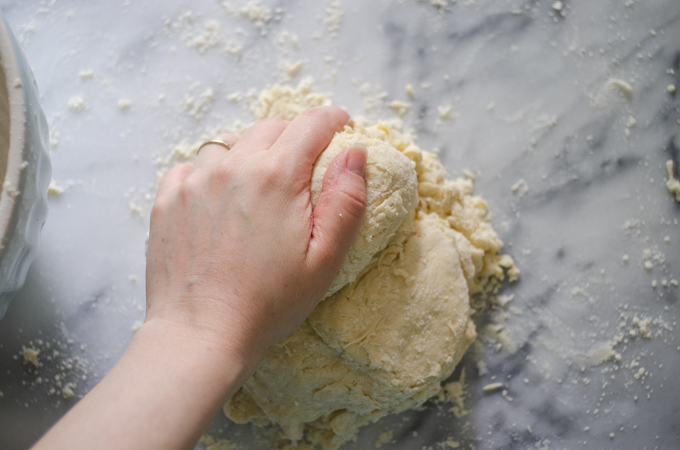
[
  {"x": 197, "y": 105},
  {"x": 399, "y": 107},
  {"x": 135, "y": 209},
  {"x": 56, "y": 189},
  {"x": 386, "y": 437},
  {"x": 454, "y": 393},
  {"x": 124, "y": 104},
  {"x": 212, "y": 443},
  {"x": 76, "y": 104},
  {"x": 68, "y": 390},
  {"x": 334, "y": 16},
  {"x": 31, "y": 356},
  {"x": 520, "y": 188},
  {"x": 672, "y": 184},
  {"x": 444, "y": 112},
  {"x": 492, "y": 387}
]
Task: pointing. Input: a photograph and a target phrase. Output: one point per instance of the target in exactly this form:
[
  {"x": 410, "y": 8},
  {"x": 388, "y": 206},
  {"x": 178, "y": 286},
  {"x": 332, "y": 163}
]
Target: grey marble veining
[{"x": 527, "y": 86}]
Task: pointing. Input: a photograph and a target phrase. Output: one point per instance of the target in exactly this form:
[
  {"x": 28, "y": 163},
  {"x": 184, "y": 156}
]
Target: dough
[
  {"x": 391, "y": 194},
  {"x": 396, "y": 320},
  {"x": 385, "y": 341}
]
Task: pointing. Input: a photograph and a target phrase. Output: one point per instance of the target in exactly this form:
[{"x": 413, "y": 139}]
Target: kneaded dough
[
  {"x": 391, "y": 194},
  {"x": 396, "y": 321}
]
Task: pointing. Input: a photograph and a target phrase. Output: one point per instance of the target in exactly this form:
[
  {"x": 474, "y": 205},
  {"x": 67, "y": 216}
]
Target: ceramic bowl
[{"x": 25, "y": 169}]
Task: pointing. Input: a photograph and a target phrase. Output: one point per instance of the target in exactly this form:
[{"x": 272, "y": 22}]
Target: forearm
[{"x": 160, "y": 395}]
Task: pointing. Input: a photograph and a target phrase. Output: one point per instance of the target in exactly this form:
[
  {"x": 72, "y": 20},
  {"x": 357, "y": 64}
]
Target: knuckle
[
  {"x": 273, "y": 122},
  {"x": 186, "y": 192},
  {"x": 269, "y": 173},
  {"x": 322, "y": 112},
  {"x": 227, "y": 137},
  {"x": 159, "y": 208}
]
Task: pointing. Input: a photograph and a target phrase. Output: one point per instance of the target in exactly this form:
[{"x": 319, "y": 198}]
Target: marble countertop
[{"x": 561, "y": 109}]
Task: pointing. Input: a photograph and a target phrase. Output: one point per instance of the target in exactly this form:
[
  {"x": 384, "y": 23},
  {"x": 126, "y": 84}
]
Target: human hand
[{"x": 237, "y": 255}]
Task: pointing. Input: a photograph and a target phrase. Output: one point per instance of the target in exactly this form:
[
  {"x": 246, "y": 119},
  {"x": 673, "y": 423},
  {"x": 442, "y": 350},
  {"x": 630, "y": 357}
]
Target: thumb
[{"x": 340, "y": 208}]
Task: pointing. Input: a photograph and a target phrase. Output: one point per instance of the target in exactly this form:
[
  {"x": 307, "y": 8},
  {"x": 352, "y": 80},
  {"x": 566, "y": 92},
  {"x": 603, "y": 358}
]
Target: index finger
[{"x": 309, "y": 134}]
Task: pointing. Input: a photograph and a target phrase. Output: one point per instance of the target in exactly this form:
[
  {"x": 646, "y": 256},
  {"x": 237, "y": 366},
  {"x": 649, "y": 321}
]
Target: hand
[
  {"x": 237, "y": 259},
  {"x": 236, "y": 253}
]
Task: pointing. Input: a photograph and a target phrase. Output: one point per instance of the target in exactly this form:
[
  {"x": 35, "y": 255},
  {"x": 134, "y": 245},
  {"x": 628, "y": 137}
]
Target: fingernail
[
  {"x": 350, "y": 123},
  {"x": 356, "y": 159}
]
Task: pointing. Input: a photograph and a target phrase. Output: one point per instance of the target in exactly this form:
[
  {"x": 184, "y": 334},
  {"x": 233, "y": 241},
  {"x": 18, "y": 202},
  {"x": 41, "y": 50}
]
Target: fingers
[
  {"x": 340, "y": 209},
  {"x": 309, "y": 134},
  {"x": 261, "y": 136},
  {"x": 172, "y": 179}
]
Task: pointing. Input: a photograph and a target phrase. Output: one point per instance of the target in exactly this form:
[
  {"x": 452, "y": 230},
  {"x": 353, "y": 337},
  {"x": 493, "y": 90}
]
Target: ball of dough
[
  {"x": 368, "y": 350},
  {"x": 385, "y": 341},
  {"x": 391, "y": 194}
]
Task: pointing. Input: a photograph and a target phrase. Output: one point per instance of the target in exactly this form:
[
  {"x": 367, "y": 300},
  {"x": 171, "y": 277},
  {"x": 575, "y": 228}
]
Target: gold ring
[{"x": 214, "y": 141}]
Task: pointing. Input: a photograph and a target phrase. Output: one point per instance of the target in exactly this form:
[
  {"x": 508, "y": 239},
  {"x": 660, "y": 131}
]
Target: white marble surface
[{"x": 526, "y": 85}]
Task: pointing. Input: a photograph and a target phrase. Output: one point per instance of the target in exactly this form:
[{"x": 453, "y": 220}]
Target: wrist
[
  {"x": 228, "y": 327},
  {"x": 212, "y": 359}
]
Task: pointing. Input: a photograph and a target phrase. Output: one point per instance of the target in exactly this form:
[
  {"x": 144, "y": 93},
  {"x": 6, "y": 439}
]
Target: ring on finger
[{"x": 226, "y": 145}]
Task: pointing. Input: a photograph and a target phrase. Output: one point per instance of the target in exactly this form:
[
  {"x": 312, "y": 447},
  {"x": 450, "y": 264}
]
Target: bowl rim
[{"x": 9, "y": 191}]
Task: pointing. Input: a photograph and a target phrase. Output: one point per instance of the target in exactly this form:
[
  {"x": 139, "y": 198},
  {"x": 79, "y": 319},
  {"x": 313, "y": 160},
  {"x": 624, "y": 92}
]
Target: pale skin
[{"x": 237, "y": 259}]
